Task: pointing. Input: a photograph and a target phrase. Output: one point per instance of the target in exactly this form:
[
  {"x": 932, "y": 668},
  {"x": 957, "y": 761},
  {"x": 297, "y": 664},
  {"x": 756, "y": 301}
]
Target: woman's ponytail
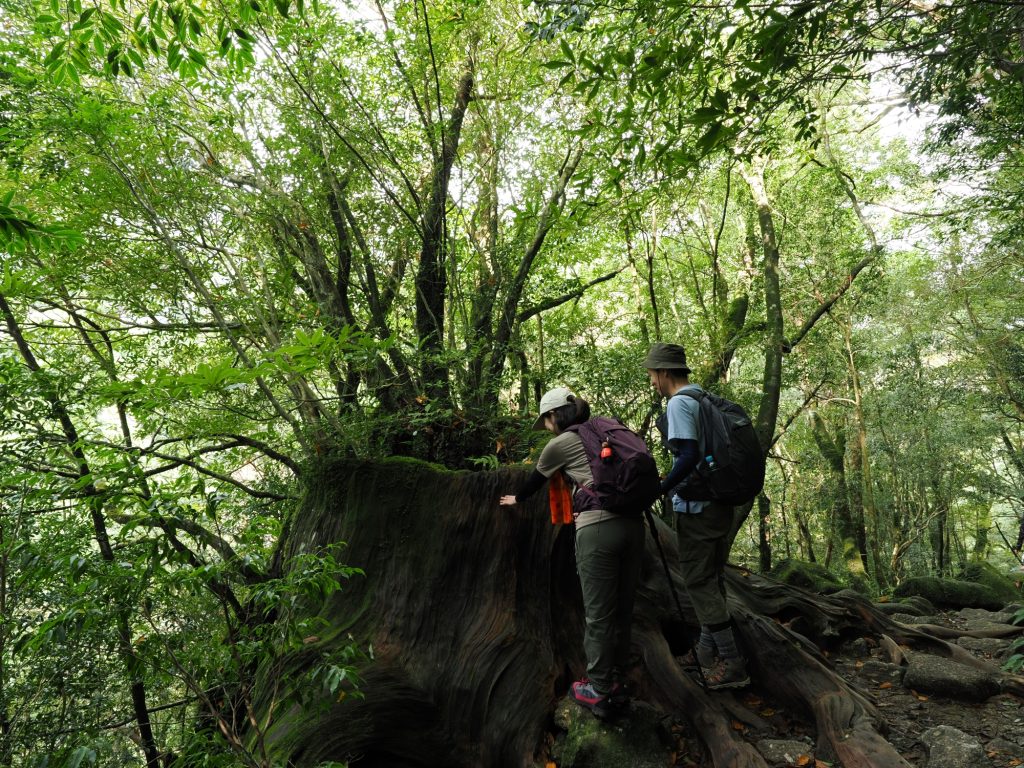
[{"x": 576, "y": 411}]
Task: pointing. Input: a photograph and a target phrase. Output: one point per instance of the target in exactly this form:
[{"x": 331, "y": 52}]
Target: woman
[{"x": 609, "y": 549}]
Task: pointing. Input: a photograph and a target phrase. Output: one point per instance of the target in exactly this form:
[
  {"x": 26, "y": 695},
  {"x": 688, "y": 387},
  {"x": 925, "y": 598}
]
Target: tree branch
[
  {"x": 875, "y": 251},
  {"x": 508, "y": 319},
  {"x": 526, "y": 314}
]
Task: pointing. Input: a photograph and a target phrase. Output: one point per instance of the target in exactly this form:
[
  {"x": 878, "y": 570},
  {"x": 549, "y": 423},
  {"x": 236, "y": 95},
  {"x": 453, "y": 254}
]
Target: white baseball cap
[{"x": 554, "y": 398}]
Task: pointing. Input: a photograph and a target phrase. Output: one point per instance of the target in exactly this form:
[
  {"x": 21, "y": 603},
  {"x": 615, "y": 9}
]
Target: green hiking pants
[
  {"x": 703, "y": 552},
  {"x": 608, "y": 557}
]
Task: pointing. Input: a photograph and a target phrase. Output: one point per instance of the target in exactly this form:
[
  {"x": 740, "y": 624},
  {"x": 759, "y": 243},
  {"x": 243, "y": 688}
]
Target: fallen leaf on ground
[{"x": 885, "y": 685}]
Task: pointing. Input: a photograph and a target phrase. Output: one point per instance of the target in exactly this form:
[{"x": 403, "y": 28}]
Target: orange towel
[{"x": 559, "y": 499}]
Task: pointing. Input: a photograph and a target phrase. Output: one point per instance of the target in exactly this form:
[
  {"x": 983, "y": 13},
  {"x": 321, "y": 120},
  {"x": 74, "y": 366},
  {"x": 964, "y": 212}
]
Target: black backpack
[
  {"x": 626, "y": 477},
  {"x": 731, "y": 468}
]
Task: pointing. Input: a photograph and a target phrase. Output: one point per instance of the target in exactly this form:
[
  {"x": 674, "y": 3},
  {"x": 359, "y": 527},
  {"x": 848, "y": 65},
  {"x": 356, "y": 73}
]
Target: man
[{"x": 702, "y": 526}]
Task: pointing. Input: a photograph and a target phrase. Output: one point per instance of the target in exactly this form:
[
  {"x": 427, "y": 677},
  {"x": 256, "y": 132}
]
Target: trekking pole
[{"x": 672, "y": 589}]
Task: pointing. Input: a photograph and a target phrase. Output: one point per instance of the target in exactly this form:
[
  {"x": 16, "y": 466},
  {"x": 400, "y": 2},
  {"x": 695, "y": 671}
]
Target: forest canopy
[{"x": 239, "y": 238}]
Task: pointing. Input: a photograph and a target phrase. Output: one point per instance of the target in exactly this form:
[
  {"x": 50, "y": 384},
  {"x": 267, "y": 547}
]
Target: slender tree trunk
[
  {"x": 768, "y": 409},
  {"x": 540, "y": 379},
  {"x": 807, "y": 541},
  {"x": 942, "y": 544},
  {"x": 431, "y": 278},
  {"x": 865, "y": 484},
  {"x": 649, "y": 252},
  {"x": 645, "y": 334},
  {"x": 509, "y": 317},
  {"x": 849, "y": 532},
  {"x": 764, "y": 539},
  {"x": 524, "y": 382},
  {"x": 480, "y": 341},
  {"x": 5, "y": 723},
  {"x": 93, "y": 501}
]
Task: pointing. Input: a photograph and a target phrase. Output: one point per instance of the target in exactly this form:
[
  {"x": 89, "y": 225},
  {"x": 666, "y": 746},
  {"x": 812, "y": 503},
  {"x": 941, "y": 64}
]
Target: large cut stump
[{"x": 471, "y": 616}]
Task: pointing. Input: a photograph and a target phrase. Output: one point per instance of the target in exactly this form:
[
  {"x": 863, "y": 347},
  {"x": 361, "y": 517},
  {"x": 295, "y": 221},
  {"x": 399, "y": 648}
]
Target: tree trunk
[
  {"x": 431, "y": 282},
  {"x": 474, "y": 617},
  {"x": 5, "y": 722},
  {"x": 768, "y": 411},
  {"x": 510, "y": 318},
  {"x": 764, "y": 539},
  {"x": 862, "y": 463},
  {"x": 850, "y": 527}
]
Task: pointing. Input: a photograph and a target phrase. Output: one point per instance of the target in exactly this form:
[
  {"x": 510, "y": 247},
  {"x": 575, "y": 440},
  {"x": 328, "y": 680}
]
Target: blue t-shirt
[{"x": 684, "y": 424}]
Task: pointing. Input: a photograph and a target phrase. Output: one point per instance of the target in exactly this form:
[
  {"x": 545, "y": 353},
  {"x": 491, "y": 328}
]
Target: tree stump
[{"x": 473, "y": 616}]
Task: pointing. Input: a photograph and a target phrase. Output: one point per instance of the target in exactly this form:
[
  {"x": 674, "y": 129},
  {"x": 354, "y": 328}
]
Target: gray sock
[
  {"x": 725, "y": 641},
  {"x": 705, "y": 648}
]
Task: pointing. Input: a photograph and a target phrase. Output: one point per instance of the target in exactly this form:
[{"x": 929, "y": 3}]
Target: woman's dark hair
[{"x": 576, "y": 412}]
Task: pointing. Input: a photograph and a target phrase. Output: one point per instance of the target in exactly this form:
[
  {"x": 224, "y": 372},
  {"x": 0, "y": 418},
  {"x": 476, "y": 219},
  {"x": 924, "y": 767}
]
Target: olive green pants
[
  {"x": 608, "y": 557},
  {"x": 703, "y": 553}
]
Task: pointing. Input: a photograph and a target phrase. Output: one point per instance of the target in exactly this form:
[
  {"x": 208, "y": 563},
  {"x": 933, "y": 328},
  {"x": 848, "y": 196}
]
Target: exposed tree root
[{"x": 677, "y": 693}]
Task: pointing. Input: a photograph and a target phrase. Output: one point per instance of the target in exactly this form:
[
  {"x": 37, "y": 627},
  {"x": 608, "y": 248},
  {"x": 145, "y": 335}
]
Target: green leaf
[
  {"x": 709, "y": 140},
  {"x": 55, "y": 53},
  {"x": 84, "y": 20},
  {"x": 112, "y": 25},
  {"x": 174, "y": 56},
  {"x": 563, "y": 46},
  {"x": 704, "y": 115},
  {"x": 59, "y": 73}
]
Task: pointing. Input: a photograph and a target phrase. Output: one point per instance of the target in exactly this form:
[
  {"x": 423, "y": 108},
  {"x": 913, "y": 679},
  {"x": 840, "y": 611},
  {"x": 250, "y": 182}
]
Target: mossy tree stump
[{"x": 474, "y": 617}]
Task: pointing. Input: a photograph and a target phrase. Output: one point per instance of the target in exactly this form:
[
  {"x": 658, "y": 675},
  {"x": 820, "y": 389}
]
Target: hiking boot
[
  {"x": 585, "y": 695},
  {"x": 727, "y": 673}
]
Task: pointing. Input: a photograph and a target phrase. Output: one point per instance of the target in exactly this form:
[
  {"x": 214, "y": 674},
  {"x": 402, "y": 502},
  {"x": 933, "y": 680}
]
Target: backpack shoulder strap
[
  {"x": 588, "y": 433},
  {"x": 695, "y": 395},
  {"x": 597, "y": 427}
]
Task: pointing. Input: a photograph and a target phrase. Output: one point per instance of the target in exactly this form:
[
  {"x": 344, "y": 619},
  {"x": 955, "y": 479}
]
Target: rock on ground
[
  {"x": 951, "y": 748},
  {"x": 941, "y": 677}
]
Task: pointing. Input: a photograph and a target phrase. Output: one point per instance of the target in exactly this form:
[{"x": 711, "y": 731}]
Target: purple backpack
[{"x": 626, "y": 479}]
